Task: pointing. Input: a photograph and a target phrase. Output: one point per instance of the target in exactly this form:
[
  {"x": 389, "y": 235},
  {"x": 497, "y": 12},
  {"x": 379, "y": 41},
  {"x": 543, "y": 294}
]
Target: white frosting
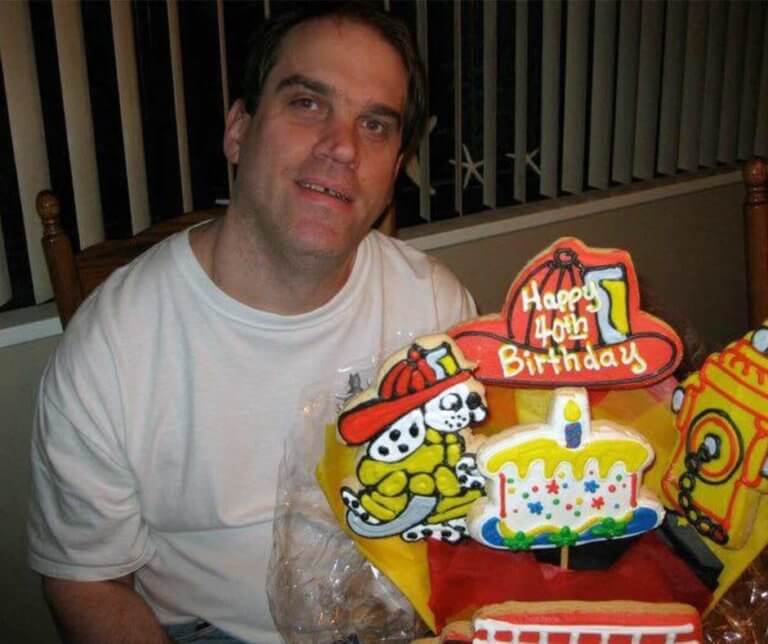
[{"x": 495, "y": 628}]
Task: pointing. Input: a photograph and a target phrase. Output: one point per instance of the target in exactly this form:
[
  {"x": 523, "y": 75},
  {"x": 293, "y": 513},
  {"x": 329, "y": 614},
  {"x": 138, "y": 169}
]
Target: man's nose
[{"x": 339, "y": 142}]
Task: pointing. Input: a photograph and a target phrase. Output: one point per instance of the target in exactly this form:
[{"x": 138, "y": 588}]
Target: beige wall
[
  {"x": 688, "y": 249},
  {"x": 23, "y": 616}
]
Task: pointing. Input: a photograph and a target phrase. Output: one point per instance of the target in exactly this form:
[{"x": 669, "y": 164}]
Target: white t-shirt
[{"x": 161, "y": 419}]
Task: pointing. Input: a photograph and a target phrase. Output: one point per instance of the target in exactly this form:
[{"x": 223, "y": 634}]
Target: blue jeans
[{"x": 199, "y": 632}]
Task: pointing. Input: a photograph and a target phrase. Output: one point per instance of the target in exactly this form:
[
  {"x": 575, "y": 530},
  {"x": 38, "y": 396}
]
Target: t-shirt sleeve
[
  {"x": 453, "y": 301},
  {"x": 84, "y": 520}
]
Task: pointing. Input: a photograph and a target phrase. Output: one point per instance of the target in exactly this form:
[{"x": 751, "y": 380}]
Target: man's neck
[{"x": 244, "y": 269}]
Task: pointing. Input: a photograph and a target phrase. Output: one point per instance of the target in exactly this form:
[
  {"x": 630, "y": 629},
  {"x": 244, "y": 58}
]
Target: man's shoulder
[
  {"x": 395, "y": 255},
  {"x": 128, "y": 293},
  {"x": 398, "y": 258},
  {"x": 422, "y": 278}
]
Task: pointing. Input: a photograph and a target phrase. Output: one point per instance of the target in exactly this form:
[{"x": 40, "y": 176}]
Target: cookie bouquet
[{"x": 539, "y": 475}]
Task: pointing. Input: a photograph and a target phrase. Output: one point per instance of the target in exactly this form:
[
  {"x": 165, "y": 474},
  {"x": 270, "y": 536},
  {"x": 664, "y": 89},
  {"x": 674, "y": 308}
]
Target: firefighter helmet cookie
[{"x": 572, "y": 317}]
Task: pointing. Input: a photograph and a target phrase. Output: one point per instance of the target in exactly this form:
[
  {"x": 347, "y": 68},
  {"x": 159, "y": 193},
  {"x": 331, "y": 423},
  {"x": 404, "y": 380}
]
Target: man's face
[{"x": 318, "y": 159}]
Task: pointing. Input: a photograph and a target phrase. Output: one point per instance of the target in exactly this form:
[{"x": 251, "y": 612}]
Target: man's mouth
[{"x": 316, "y": 187}]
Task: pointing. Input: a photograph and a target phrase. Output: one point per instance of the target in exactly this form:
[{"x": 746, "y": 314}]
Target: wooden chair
[
  {"x": 74, "y": 276},
  {"x": 756, "y": 230}
]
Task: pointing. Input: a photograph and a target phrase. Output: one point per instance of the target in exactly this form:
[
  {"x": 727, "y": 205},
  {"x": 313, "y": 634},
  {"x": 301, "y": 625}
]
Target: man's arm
[
  {"x": 102, "y": 612},
  {"x": 84, "y": 517}
]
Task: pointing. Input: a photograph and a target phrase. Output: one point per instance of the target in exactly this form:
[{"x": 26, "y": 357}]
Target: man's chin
[{"x": 326, "y": 243}]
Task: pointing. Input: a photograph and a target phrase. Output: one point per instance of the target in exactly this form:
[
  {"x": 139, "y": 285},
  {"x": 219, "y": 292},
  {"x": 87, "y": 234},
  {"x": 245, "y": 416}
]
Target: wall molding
[
  {"x": 29, "y": 324},
  {"x": 482, "y": 225}
]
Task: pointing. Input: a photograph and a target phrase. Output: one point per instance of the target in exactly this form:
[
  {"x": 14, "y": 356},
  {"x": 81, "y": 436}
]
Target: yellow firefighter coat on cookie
[{"x": 417, "y": 479}]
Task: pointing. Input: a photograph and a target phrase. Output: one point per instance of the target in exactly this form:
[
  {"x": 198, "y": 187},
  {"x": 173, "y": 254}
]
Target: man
[{"x": 161, "y": 418}]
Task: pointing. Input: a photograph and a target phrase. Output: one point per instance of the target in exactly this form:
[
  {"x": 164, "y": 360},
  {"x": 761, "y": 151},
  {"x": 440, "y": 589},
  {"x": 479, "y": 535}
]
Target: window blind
[{"x": 527, "y": 101}]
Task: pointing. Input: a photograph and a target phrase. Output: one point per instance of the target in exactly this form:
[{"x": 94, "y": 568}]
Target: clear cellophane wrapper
[
  {"x": 321, "y": 589},
  {"x": 741, "y": 615}
]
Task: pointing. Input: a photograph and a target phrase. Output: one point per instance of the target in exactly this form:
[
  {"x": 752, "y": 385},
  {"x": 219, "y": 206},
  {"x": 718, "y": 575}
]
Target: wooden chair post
[
  {"x": 59, "y": 257},
  {"x": 756, "y": 215}
]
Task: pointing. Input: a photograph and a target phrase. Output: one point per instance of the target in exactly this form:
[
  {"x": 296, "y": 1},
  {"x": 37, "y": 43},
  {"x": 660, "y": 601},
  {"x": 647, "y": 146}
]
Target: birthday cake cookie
[{"x": 565, "y": 482}]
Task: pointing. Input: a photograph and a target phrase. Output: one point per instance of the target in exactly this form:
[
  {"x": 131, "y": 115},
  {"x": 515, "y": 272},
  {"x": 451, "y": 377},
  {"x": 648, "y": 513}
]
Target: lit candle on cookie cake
[{"x": 566, "y": 482}]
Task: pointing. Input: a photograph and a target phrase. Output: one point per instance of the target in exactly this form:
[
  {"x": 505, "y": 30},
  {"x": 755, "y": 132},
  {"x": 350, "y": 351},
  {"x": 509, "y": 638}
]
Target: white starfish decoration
[
  {"x": 528, "y": 159},
  {"x": 472, "y": 167}
]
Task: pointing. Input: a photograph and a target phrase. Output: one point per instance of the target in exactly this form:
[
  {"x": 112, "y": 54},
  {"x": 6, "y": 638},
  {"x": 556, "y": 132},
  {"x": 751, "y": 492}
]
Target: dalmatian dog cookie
[{"x": 416, "y": 476}]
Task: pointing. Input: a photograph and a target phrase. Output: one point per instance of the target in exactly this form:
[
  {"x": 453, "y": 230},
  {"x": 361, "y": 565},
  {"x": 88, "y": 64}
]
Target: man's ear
[
  {"x": 398, "y": 163},
  {"x": 235, "y": 130}
]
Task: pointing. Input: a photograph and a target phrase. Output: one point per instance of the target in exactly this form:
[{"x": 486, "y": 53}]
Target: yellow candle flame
[{"x": 572, "y": 411}]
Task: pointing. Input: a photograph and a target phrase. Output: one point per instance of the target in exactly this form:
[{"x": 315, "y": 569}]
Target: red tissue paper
[{"x": 468, "y": 576}]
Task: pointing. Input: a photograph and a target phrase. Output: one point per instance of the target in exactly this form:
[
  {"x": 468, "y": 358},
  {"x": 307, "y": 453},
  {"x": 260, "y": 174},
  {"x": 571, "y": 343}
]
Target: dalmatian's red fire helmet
[{"x": 409, "y": 384}]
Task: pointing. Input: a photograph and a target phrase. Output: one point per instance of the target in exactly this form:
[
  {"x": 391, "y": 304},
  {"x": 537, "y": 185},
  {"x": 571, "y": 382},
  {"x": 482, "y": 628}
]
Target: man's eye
[
  {"x": 305, "y": 103},
  {"x": 374, "y": 126}
]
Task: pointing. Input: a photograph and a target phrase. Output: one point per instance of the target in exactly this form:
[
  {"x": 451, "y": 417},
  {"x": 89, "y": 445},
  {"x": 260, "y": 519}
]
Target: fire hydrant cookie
[{"x": 719, "y": 471}]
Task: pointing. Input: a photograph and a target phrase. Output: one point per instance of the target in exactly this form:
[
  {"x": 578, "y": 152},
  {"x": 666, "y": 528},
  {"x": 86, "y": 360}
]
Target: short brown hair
[{"x": 265, "y": 49}]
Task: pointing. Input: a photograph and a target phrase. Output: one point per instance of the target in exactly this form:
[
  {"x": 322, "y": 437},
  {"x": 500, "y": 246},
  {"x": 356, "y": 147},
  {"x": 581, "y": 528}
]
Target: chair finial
[
  {"x": 755, "y": 173},
  {"x": 47, "y": 204},
  {"x": 49, "y": 209}
]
